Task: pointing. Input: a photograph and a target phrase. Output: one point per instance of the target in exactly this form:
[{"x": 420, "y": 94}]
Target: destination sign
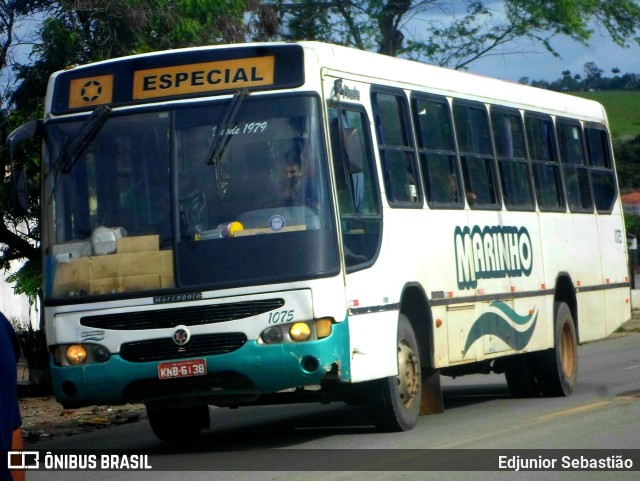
[
  {"x": 203, "y": 77},
  {"x": 178, "y": 74}
]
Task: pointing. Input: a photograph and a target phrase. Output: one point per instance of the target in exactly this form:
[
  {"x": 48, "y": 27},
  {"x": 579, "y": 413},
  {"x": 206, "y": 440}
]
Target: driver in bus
[
  {"x": 296, "y": 188},
  {"x": 292, "y": 192}
]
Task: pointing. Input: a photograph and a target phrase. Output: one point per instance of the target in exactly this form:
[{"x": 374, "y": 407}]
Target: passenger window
[
  {"x": 436, "y": 147},
  {"x": 476, "y": 155},
  {"x": 547, "y": 180},
  {"x": 603, "y": 181},
  {"x": 358, "y": 204},
  {"x": 396, "y": 150},
  {"x": 574, "y": 170},
  {"x": 508, "y": 135}
]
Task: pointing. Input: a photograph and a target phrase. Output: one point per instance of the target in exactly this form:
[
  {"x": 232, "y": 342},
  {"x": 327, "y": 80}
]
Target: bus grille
[
  {"x": 166, "y": 349},
  {"x": 185, "y": 316}
]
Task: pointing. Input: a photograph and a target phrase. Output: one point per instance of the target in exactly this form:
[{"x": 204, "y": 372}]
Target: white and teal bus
[{"x": 276, "y": 223}]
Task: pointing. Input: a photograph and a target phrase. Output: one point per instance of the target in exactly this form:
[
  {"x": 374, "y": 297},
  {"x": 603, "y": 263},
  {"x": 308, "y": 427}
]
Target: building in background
[{"x": 631, "y": 202}]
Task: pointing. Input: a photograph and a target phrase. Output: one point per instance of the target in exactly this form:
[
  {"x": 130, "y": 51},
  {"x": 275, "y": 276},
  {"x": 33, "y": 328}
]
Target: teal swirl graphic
[{"x": 497, "y": 324}]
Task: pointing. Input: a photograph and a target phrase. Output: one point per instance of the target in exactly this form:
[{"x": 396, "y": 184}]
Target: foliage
[
  {"x": 593, "y": 80},
  {"x": 27, "y": 280},
  {"x": 83, "y": 31},
  {"x": 454, "y": 33},
  {"x": 627, "y": 154},
  {"x": 632, "y": 224},
  {"x": 19, "y": 234},
  {"x": 33, "y": 343},
  {"x": 77, "y": 32}
]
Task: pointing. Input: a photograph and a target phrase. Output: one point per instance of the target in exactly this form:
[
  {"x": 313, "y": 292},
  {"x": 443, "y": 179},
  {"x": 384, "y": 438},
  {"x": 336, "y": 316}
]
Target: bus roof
[
  {"x": 456, "y": 83},
  {"x": 381, "y": 69}
]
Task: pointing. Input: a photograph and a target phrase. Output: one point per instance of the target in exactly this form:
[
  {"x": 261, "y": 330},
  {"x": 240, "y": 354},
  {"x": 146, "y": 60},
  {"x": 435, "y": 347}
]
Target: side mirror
[
  {"x": 353, "y": 148},
  {"x": 24, "y": 132},
  {"x": 20, "y": 200}
]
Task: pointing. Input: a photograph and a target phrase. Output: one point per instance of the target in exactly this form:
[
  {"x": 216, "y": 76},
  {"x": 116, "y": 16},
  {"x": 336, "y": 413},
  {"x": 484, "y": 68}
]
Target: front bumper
[{"x": 252, "y": 370}]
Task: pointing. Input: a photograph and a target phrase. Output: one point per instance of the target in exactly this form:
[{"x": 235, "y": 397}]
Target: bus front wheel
[
  {"x": 396, "y": 400},
  {"x": 558, "y": 367},
  {"x": 178, "y": 425}
]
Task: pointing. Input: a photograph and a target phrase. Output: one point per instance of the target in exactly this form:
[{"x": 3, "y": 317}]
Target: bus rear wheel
[
  {"x": 396, "y": 399},
  {"x": 558, "y": 367},
  {"x": 177, "y": 425},
  {"x": 520, "y": 374}
]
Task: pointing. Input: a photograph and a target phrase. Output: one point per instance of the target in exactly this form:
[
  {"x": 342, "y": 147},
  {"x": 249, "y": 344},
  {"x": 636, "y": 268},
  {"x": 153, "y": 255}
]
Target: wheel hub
[
  {"x": 408, "y": 380},
  {"x": 567, "y": 354}
]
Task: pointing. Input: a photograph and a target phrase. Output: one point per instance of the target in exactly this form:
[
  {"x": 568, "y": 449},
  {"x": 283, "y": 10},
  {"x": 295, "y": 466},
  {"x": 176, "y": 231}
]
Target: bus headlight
[
  {"x": 300, "y": 332},
  {"x": 100, "y": 353},
  {"x": 80, "y": 354},
  {"x": 76, "y": 354},
  {"x": 273, "y": 335}
]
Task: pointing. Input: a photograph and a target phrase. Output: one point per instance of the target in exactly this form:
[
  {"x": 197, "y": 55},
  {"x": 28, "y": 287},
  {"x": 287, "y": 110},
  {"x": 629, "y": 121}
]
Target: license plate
[{"x": 176, "y": 369}]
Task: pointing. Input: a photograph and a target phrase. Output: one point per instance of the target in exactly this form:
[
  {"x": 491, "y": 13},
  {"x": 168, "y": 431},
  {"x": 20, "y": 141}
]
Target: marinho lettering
[{"x": 491, "y": 252}]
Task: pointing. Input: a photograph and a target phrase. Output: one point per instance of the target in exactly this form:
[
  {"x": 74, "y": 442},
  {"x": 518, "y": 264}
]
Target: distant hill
[{"x": 623, "y": 110}]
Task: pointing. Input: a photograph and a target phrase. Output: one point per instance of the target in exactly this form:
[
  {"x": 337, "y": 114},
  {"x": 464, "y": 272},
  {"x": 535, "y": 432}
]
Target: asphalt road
[{"x": 267, "y": 443}]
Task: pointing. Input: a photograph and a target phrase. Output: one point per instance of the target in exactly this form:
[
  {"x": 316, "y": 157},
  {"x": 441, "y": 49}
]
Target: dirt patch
[{"x": 44, "y": 418}]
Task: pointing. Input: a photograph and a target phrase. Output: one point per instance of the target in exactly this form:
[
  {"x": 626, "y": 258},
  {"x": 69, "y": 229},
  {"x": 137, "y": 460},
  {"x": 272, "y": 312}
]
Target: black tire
[
  {"x": 520, "y": 373},
  {"x": 178, "y": 425},
  {"x": 395, "y": 400},
  {"x": 558, "y": 367}
]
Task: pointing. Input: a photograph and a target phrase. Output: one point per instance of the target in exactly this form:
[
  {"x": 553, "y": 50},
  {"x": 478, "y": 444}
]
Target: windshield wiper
[
  {"x": 74, "y": 147},
  {"x": 222, "y": 137}
]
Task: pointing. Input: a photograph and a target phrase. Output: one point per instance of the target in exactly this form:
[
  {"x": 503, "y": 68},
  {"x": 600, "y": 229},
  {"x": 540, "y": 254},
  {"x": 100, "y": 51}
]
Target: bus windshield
[{"x": 216, "y": 196}]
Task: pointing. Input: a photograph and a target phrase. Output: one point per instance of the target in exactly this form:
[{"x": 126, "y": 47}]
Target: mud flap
[{"x": 432, "y": 402}]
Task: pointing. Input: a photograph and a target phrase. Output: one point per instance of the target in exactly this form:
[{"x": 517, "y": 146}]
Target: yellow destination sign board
[{"x": 203, "y": 77}]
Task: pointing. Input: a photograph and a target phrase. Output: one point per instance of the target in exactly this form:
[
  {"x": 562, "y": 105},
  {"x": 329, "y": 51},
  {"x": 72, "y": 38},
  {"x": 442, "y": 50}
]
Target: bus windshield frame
[{"x": 260, "y": 212}]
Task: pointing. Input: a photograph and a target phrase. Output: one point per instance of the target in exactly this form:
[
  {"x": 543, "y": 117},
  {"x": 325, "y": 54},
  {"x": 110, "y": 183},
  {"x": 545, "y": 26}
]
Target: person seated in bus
[
  {"x": 296, "y": 188},
  {"x": 472, "y": 198}
]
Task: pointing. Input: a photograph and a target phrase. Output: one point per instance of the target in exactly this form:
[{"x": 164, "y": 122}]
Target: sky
[
  {"x": 538, "y": 64},
  {"x": 544, "y": 66}
]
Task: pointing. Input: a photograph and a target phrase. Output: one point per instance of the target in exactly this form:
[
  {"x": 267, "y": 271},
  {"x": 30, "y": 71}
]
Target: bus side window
[
  {"x": 544, "y": 163},
  {"x": 574, "y": 170},
  {"x": 396, "y": 150},
  {"x": 358, "y": 203},
  {"x": 603, "y": 181},
  {"x": 508, "y": 136},
  {"x": 476, "y": 154},
  {"x": 436, "y": 146}
]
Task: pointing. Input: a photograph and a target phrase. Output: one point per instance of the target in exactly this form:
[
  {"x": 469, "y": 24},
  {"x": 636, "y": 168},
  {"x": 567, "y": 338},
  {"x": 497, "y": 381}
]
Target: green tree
[
  {"x": 627, "y": 154},
  {"x": 455, "y": 33},
  {"x": 77, "y": 32},
  {"x": 81, "y": 31},
  {"x": 593, "y": 75},
  {"x": 19, "y": 234}
]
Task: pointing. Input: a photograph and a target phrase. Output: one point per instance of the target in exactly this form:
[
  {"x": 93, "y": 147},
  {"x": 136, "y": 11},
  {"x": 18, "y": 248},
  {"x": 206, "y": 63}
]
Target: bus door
[{"x": 360, "y": 217}]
